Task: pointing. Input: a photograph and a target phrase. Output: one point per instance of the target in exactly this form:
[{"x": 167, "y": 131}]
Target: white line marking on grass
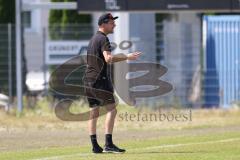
[
  {"x": 186, "y": 144},
  {"x": 66, "y": 156},
  {"x": 142, "y": 148}
]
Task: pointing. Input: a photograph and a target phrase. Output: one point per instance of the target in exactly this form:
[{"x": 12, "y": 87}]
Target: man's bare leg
[
  {"x": 92, "y": 127},
  {"x": 92, "y": 123},
  {"x": 109, "y": 125},
  {"x": 110, "y": 118}
]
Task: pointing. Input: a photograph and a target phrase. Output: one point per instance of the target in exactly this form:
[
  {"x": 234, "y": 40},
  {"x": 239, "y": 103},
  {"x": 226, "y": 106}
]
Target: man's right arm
[{"x": 109, "y": 58}]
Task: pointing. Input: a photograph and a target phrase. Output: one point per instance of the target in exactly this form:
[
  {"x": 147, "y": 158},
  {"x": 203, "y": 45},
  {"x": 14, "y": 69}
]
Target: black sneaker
[
  {"x": 97, "y": 149},
  {"x": 113, "y": 149}
]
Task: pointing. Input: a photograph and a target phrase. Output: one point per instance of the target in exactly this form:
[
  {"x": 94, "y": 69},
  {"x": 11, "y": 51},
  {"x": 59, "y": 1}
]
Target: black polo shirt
[{"x": 96, "y": 64}]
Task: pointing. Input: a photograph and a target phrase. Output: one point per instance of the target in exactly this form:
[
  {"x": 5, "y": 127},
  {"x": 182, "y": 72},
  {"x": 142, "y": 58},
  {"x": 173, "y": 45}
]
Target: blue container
[{"x": 221, "y": 37}]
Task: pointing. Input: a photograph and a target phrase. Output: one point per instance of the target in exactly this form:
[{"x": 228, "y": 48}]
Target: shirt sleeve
[{"x": 105, "y": 45}]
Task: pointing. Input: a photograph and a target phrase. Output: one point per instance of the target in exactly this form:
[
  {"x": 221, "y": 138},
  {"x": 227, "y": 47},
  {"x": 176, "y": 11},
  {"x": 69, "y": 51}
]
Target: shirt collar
[{"x": 101, "y": 33}]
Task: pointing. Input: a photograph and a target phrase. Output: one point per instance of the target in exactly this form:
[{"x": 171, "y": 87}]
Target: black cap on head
[{"x": 105, "y": 18}]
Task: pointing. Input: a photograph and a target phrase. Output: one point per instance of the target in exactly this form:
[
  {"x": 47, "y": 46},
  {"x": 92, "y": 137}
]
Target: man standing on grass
[{"x": 97, "y": 78}]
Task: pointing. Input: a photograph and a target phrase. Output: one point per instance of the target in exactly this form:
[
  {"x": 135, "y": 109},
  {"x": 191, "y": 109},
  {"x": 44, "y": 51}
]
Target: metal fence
[
  {"x": 178, "y": 46},
  {"x": 7, "y": 64}
]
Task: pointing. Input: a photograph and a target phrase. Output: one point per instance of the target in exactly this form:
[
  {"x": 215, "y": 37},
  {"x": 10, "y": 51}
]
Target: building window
[
  {"x": 159, "y": 42},
  {"x": 159, "y": 37},
  {"x": 26, "y": 19}
]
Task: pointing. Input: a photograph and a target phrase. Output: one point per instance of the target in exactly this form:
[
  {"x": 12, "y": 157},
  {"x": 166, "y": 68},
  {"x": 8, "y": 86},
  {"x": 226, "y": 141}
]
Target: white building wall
[
  {"x": 182, "y": 47},
  {"x": 33, "y": 36},
  {"x": 143, "y": 35}
]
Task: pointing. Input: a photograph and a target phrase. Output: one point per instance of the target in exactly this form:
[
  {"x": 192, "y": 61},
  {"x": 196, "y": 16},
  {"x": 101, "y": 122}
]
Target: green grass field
[
  {"x": 211, "y": 135},
  {"x": 224, "y": 146}
]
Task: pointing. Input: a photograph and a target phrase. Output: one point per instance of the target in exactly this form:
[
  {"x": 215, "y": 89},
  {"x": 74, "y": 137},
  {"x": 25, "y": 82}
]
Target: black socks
[
  {"x": 108, "y": 140},
  {"x": 96, "y": 147}
]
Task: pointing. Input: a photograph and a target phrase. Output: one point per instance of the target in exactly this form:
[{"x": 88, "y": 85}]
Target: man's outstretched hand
[{"x": 133, "y": 56}]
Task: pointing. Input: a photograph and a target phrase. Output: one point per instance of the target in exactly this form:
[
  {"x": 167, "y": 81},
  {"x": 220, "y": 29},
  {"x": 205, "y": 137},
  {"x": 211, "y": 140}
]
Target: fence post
[
  {"x": 9, "y": 66},
  {"x": 44, "y": 61},
  {"x": 19, "y": 57}
]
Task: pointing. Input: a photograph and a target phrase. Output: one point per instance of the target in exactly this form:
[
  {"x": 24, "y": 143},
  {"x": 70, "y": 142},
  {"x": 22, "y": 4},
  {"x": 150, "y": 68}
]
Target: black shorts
[{"x": 99, "y": 92}]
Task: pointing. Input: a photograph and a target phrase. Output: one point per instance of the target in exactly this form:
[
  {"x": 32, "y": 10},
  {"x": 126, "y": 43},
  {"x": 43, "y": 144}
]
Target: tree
[
  {"x": 68, "y": 24},
  {"x": 7, "y": 11}
]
